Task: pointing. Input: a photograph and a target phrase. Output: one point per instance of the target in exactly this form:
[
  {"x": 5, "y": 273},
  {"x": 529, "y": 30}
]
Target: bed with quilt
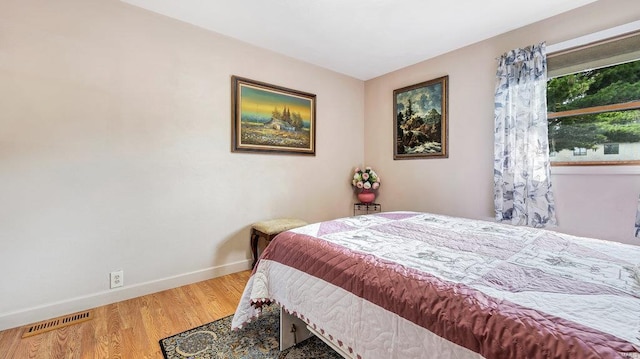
[{"x": 419, "y": 285}]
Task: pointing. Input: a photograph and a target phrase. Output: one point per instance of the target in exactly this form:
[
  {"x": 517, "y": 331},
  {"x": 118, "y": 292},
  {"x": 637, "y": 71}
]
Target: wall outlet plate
[{"x": 117, "y": 279}]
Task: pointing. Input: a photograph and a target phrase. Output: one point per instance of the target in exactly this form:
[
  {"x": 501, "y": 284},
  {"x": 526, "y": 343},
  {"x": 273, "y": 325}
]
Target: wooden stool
[{"x": 269, "y": 229}]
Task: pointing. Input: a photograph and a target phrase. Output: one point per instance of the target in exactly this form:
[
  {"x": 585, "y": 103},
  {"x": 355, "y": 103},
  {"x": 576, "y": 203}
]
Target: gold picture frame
[
  {"x": 272, "y": 119},
  {"x": 421, "y": 124}
]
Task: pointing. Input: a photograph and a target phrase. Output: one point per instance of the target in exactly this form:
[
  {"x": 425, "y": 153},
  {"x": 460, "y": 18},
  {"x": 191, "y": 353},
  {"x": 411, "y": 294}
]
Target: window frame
[
  {"x": 579, "y": 151},
  {"x": 608, "y": 146},
  {"x": 626, "y": 167}
]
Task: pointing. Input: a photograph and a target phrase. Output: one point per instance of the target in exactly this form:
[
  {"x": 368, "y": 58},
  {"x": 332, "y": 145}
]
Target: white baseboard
[{"x": 52, "y": 310}]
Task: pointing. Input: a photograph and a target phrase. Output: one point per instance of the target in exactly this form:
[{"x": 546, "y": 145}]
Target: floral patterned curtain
[{"x": 522, "y": 184}]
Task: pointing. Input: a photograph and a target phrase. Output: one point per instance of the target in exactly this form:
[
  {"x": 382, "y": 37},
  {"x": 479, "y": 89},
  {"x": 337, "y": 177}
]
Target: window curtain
[{"x": 522, "y": 184}]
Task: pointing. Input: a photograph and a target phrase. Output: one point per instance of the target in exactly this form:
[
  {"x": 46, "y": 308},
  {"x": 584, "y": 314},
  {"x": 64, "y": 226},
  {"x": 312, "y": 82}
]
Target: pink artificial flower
[
  {"x": 376, "y": 185},
  {"x": 357, "y": 169},
  {"x": 359, "y": 184},
  {"x": 365, "y": 176}
]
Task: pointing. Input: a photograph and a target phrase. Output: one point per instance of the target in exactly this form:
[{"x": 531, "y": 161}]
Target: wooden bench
[{"x": 268, "y": 230}]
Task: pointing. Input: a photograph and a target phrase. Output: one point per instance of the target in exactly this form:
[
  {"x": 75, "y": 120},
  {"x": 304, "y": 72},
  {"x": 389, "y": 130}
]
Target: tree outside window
[{"x": 596, "y": 110}]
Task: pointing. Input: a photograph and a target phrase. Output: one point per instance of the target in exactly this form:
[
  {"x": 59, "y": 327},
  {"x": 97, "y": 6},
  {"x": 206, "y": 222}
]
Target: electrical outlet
[{"x": 117, "y": 279}]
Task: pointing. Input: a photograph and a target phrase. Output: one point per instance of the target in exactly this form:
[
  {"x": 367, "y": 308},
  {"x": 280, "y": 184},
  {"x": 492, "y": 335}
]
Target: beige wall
[
  {"x": 115, "y": 150},
  {"x": 115, "y": 154},
  {"x": 596, "y": 205}
]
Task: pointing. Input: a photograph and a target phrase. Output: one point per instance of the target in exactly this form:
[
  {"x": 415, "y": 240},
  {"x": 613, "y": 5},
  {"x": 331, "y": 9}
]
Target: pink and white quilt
[{"x": 418, "y": 285}]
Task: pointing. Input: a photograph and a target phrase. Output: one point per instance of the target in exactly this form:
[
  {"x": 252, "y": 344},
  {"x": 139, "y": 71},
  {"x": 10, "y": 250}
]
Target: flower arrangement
[{"x": 366, "y": 179}]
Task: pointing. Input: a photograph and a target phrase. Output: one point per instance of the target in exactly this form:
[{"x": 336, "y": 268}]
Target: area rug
[{"x": 258, "y": 339}]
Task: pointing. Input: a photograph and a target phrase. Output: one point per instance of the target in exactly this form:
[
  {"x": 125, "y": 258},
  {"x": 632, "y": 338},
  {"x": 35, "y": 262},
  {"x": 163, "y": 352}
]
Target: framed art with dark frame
[
  {"x": 269, "y": 118},
  {"x": 421, "y": 125}
]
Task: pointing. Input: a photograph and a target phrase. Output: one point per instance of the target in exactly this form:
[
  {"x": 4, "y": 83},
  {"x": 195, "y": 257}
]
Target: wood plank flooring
[{"x": 132, "y": 328}]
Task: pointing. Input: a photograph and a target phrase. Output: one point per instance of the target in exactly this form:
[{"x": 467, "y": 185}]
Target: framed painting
[
  {"x": 421, "y": 125},
  {"x": 268, "y": 118}
]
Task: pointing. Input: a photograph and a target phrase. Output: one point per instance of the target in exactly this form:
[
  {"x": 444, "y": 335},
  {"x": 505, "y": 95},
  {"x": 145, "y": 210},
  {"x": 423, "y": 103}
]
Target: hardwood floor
[{"x": 132, "y": 328}]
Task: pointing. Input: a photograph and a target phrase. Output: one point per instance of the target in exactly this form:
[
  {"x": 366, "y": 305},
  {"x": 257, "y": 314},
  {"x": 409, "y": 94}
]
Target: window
[
  {"x": 611, "y": 149},
  {"x": 593, "y": 103},
  {"x": 579, "y": 151}
]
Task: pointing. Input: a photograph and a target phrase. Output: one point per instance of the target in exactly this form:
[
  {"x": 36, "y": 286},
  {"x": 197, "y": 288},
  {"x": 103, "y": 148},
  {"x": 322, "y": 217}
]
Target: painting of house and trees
[
  {"x": 420, "y": 123},
  {"x": 270, "y": 118}
]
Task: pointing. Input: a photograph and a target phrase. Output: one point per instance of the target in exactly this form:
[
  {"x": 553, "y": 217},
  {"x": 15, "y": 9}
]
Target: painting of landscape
[
  {"x": 272, "y": 118},
  {"x": 420, "y": 128}
]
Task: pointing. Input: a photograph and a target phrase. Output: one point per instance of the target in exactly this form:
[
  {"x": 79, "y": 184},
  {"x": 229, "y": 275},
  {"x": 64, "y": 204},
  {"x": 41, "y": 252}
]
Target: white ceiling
[{"x": 360, "y": 38}]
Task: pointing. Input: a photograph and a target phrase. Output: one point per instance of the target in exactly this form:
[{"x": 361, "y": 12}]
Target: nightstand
[{"x": 366, "y": 208}]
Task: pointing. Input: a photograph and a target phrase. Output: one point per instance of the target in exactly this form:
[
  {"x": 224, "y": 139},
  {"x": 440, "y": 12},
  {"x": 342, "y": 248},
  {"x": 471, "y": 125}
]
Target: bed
[{"x": 420, "y": 285}]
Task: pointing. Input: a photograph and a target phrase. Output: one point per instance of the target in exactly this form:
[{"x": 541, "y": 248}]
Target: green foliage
[
  {"x": 605, "y": 86},
  {"x": 611, "y": 85},
  {"x": 276, "y": 114},
  {"x": 433, "y": 117},
  {"x": 563, "y": 91},
  {"x": 296, "y": 120},
  {"x": 588, "y": 131},
  {"x": 567, "y": 133},
  {"x": 292, "y": 118},
  {"x": 408, "y": 113}
]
